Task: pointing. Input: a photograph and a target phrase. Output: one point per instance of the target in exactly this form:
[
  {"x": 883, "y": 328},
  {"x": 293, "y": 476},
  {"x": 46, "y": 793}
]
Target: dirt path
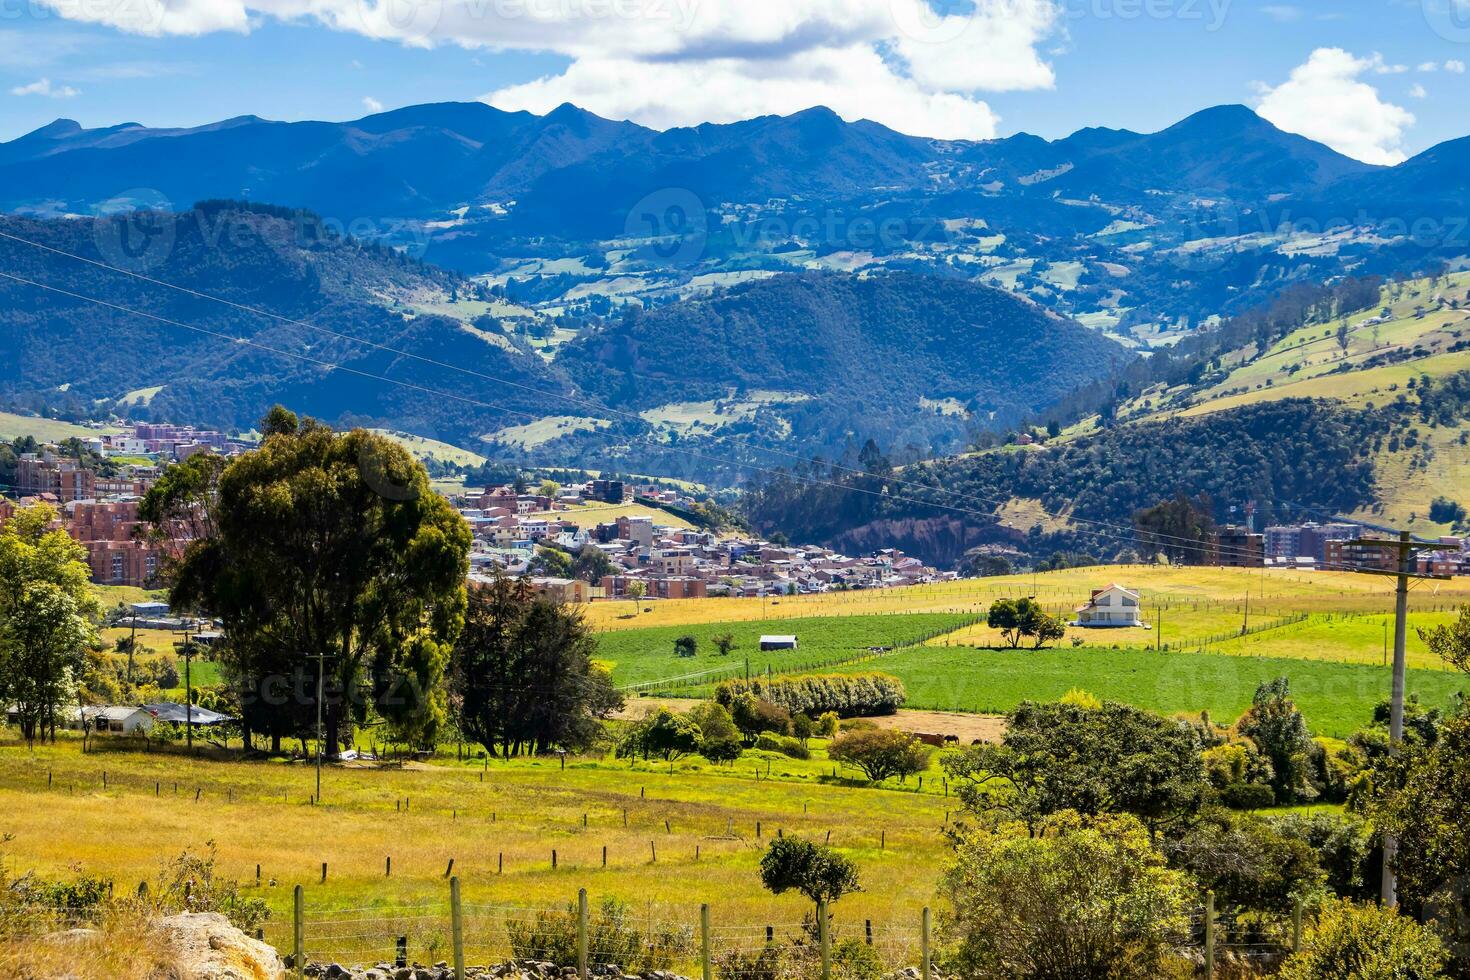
[{"x": 965, "y": 727}]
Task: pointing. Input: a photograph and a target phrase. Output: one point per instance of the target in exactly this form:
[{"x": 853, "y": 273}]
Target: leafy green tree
[
  {"x": 754, "y": 715},
  {"x": 1279, "y": 730},
  {"x": 550, "y": 563},
  {"x": 1046, "y": 629},
  {"x": 591, "y": 565},
  {"x": 686, "y": 646},
  {"x": 1363, "y": 942},
  {"x": 1084, "y": 898},
  {"x": 1005, "y": 615},
  {"x": 880, "y": 753},
  {"x": 1420, "y": 797},
  {"x": 816, "y": 871},
  {"x": 662, "y": 734},
  {"x": 330, "y": 552},
  {"x": 1451, "y": 643},
  {"x": 725, "y": 643},
  {"x": 1247, "y": 862},
  {"x": 1182, "y": 528},
  {"x": 719, "y": 739},
  {"x": 1113, "y": 759},
  {"x": 524, "y": 674},
  {"x": 46, "y": 618}
]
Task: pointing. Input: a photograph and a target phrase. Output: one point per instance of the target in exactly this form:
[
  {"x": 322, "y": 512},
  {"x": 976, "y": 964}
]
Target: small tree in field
[
  {"x": 725, "y": 643},
  {"x": 818, "y": 872},
  {"x": 686, "y": 646},
  {"x": 880, "y": 753}
]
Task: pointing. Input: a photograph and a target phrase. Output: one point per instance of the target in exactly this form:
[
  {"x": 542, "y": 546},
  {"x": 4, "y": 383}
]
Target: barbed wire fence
[{"x": 611, "y": 939}]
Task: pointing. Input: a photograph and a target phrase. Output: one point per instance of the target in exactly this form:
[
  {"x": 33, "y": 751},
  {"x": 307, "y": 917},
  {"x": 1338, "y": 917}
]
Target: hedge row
[{"x": 850, "y": 695}]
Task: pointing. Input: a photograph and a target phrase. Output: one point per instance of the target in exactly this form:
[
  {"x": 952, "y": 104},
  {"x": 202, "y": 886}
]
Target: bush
[
  {"x": 880, "y": 753},
  {"x": 753, "y": 715},
  {"x": 847, "y": 695},
  {"x": 1364, "y": 942},
  {"x": 827, "y": 724},
  {"x": 552, "y": 937},
  {"x": 1088, "y": 898},
  {"x": 1248, "y": 796},
  {"x": 784, "y": 744}
]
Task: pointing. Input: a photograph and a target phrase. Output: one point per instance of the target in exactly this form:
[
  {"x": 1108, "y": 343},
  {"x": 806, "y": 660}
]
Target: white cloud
[
  {"x": 1283, "y": 13},
  {"x": 1429, "y": 66},
  {"x": 1455, "y": 67},
  {"x": 679, "y": 62},
  {"x": 43, "y": 86},
  {"x": 1380, "y": 68},
  {"x": 371, "y": 104},
  {"x": 853, "y": 82},
  {"x": 1418, "y": 92},
  {"x": 1326, "y": 100}
]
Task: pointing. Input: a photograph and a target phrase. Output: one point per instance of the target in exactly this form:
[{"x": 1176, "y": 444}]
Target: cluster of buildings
[
  {"x": 649, "y": 559},
  {"x": 1330, "y": 547},
  {"x": 101, "y": 512}
]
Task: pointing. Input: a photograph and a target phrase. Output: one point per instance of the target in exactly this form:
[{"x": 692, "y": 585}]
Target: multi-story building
[
  {"x": 116, "y": 553},
  {"x": 1236, "y": 547},
  {"x": 42, "y": 473},
  {"x": 1342, "y": 555}
]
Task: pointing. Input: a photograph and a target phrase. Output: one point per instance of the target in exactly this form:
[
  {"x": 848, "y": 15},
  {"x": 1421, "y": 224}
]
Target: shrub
[
  {"x": 784, "y": 744},
  {"x": 818, "y": 872},
  {"x": 1089, "y": 898},
  {"x": 552, "y": 936},
  {"x": 813, "y": 694},
  {"x": 753, "y": 715},
  {"x": 827, "y": 724},
  {"x": 190, "y": 882},
  {"x": 880, "y": 753},
  {"x": 1365, "y": 942},
  {"x": 1248, "y": 796}
]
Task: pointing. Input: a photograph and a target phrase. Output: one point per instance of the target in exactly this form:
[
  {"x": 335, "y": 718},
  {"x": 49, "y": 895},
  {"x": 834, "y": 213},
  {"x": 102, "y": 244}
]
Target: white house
[
  {"x": 118, "y": 719},
  {"x": 1110, "y": 607}
]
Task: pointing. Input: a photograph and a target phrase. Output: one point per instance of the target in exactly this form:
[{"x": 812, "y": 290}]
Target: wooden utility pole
[{"x": 1405, "y": 549}]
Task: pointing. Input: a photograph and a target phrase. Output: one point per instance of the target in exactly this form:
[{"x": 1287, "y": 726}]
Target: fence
[
  {"x": 611, "y": 939},
  {"x": 607, "y": 939}
]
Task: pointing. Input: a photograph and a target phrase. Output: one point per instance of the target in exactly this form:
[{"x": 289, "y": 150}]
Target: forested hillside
[
  {"x": 67, "y": 354},
  {"x": 1299, "y": 459},
  {"x": 903, "y": 359}
]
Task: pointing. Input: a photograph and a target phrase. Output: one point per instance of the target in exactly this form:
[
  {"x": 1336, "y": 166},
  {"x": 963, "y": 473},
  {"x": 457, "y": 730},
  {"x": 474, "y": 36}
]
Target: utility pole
[
  {"x": 187, "y": 649},
  {"x": 1405, "y": 549},
  {"x": 321, "y": 737}
]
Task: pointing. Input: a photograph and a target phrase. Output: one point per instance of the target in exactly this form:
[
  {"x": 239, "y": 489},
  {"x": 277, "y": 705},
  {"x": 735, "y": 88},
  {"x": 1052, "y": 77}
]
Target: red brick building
[{"x": 107, "y": 529}]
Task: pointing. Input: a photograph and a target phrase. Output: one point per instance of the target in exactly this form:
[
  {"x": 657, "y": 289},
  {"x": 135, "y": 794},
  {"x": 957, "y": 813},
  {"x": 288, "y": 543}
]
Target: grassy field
[
  {"x": 1336, "y": 698},
  {"x": 641, "y": 656},
  {"x": 13, "y": 426},
  {"x": 591, "y": 515},
  {"x": 1272, "y": 592},
  {"x": 515, "y": 813},
  {"x": 1325, "y": 631}
]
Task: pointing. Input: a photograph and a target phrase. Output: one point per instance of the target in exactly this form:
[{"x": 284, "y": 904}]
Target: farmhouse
[
  {"x": 778, "y": 643},
  {"x": 118, "y": 719},
  {"x": 1110, "y": 607}
]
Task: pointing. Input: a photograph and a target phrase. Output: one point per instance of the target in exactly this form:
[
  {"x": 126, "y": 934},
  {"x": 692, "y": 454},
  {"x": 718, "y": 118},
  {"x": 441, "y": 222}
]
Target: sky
[{"x": 1379, "y": 80}]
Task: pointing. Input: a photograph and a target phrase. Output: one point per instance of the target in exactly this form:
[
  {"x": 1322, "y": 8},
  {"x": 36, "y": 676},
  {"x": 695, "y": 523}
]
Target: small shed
[{"x": 778, "y": 643}]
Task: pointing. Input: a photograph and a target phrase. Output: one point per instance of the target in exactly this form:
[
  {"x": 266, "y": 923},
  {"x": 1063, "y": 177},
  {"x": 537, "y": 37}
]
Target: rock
[{"x": 209, "y": 948}]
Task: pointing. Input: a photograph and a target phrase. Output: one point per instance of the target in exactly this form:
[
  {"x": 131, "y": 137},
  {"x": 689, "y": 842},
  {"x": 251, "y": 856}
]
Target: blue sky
[{"x": 1379, "y": 79}]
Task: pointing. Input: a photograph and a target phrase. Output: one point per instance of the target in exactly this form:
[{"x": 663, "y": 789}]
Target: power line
[{"x": 1178, "y": 541}]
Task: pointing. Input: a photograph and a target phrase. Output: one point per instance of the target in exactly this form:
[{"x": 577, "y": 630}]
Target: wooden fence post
[
  {"x": 456, "y": 927},
  {"x": 825, "y": 938},
  {"x": 581, "y": 934},
  {"x": 705, "y": 971},
  {"x": 1296, "y": 925},
  {"x": 298, "y": 932},
  {"x": 924, "y": 945},
  {"x": 1209, "y": 936}
]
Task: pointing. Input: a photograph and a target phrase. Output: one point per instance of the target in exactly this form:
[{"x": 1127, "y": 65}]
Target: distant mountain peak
[{"x": 56, "y": 129}]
